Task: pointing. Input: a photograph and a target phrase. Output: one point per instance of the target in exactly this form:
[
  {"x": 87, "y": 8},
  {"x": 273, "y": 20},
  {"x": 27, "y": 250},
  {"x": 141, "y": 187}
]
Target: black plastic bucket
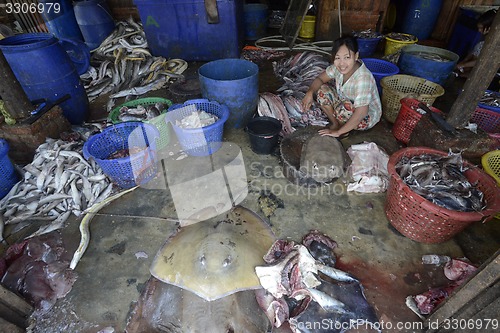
[{"x": 264, "y": 134}]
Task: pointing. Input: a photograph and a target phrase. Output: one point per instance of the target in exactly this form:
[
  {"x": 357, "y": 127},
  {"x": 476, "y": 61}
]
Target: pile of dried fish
[
  {"x": 440, "y": 179},
  {"x": 490, "y": 98},
  {"x": 366, "y": 34},
  {"x": 140, "y": 112},
  {"x": 401, "y": 37},
  {"x": 57, "y": 183},
  {"x": 123, "y": 66},
  {"x": 430, "y": 56},
  {"x": 297, "y": 72}
]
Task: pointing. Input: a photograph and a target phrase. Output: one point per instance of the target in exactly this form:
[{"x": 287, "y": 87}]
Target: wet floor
[{"x": 126, "y": 235}]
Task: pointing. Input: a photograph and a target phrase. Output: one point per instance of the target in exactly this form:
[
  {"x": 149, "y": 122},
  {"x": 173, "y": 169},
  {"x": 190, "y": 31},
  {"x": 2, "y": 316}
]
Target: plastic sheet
[{"x": 368, "y": 169}]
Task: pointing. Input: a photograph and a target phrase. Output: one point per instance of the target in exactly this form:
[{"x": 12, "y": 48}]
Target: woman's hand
[
  {"x": 330, "y": 132},
  {"x": 307, "y": 101}
]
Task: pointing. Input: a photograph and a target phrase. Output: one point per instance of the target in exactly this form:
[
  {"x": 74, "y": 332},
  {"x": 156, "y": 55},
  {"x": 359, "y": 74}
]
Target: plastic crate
[
  {"x": 399, "y": 86},
  {"x": 487, "y": 120},
  {"x": 407, "y": 119},
  {"x": 421, "y": 220},
  {"x": 8, "y": 176},
  {"x": 139, "y": 139},
  {"x": 159, "y": 121},
  {"x": 380, "y": 69},
  {"x": 202, "y": 141}
]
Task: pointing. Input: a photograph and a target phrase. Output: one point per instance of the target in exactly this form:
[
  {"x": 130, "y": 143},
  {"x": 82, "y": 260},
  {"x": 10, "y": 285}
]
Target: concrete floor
[{"x": 388, "y": 264}]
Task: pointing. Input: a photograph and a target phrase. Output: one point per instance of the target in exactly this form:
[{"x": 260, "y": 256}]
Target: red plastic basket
[
  {"x": 487, "y": 120},
  {"x": 407, "y": 119},
  {"x": 425, "y": 222}
]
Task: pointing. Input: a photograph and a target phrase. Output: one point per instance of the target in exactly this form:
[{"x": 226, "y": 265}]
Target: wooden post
[
  {"x": 479, "y": 79},
  {"x": 17, "y": 103},
  {"x": 14, "y": 308}
]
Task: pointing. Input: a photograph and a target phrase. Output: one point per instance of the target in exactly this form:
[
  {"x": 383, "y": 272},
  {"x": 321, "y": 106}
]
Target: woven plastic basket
[
  {"x": 490, "y": 107},
  {"x": 139, "y": 139},
  {"x": 380, "y": 69},
  {"x": 407, "y": 119},
  {"x": 8, "y": 176},
  {"x": 487, "y": 120},
  {"x": 421, "y": 220},
  {"x": 159, "y": 121},
  {"x": 491, "y": 165},
  {"x": 399, "y": 86},
  {"x": 202, "y": 141}
]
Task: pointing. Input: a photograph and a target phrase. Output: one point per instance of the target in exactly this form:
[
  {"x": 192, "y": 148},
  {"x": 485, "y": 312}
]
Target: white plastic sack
[{"x": 368, "y": 169}]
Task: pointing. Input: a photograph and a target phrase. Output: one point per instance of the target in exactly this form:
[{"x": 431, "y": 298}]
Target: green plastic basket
[{"x": 159, "y": 121}]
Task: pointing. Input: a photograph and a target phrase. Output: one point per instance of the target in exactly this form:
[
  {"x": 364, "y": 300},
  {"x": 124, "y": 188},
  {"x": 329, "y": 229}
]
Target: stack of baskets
[
  {"x": 159, "y": 121},
  {"x": 421, "y": 220},
  {"x": 487, "y": 117},
  {"x": 202, "y": 141},
  {"x": 8, "y": 176},
  {"x": 380, "y": 69},
  {"x": 397, "y": 87},
  {"x": 135, "y": 138},
  {"x": 407, "y": 119}
]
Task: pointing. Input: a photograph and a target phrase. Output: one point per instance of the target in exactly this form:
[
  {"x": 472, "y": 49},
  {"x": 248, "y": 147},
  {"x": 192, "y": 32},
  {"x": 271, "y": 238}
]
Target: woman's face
[{"x": 345, "y": 60}]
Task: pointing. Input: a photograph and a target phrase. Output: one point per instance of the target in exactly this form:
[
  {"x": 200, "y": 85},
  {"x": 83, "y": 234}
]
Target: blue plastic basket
[
  {"x": 367, "y": 46},
  {"x": 139, "y": 139},
  {"x": 380, "y": 69},
  {"x": 490, "y": 107},
  {"x": 199, "y": 141},
  {"x": 8, "y": 176}
]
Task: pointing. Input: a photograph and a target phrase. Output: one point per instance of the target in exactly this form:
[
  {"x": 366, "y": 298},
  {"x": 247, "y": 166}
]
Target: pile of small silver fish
[
  {"x": 58, "y": 182},
  {"x": 297, "y": 72},
  {"x": 141, "y": 112},
  {"x": 366, "y": 34},
  {"x": 401, "y": 37},
  {"x": 430, "y": 56},
  {"x": 440, "y": 180},
  {"x": 490, "y": 98},
  {"x": 123, "y": 66}
]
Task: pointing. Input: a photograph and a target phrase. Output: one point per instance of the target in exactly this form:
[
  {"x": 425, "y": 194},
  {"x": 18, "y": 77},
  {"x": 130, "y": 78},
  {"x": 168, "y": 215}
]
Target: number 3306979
[{"x": 25, "y": 8}]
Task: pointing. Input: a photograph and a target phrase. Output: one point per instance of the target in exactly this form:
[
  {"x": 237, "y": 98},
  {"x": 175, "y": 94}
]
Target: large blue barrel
[
  {"x": 426, "y": 62},
  {"x": 420, "y": 18},
  {"x": 45, "y": 71},
  {"x": 60, "y": 19},
  {"x": 234, "y": 83},
  {"x": 256, "y": 16},
  {"x": 95, "y": 21},
  {"x": 8, "y": 175}
]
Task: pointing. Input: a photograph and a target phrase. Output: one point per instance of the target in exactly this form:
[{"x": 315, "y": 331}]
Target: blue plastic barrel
[
  {"x": 234, "y": 83},
  {"x": 420, "y": 18},
  {"x": 8, "y": 176},
  {"x": 60, "y": 19},
  {"x": 45, "y": 71},
  {"x": 465, "y": 34},
  {"x": 95, "y": 21},
  {"x": 367, "y": 46},
  {"x": 256, "y": 16},
  {"x": 412, "y": 62}
]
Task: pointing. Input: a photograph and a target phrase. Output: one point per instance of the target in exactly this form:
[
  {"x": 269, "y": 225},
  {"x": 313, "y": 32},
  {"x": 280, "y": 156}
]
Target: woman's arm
[
  {"x": 358, "y": 115},
  {"x": 315, "y": 85}
]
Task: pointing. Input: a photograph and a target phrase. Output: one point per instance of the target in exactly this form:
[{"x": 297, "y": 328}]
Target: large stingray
[{"x": 217, "y": 257}]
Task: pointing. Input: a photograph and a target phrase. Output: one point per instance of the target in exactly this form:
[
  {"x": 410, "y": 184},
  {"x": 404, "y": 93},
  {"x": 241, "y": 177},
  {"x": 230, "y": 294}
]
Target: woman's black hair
[
  {"x": 486, "y": 18},
  {"x": 349, "y": 41}
]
